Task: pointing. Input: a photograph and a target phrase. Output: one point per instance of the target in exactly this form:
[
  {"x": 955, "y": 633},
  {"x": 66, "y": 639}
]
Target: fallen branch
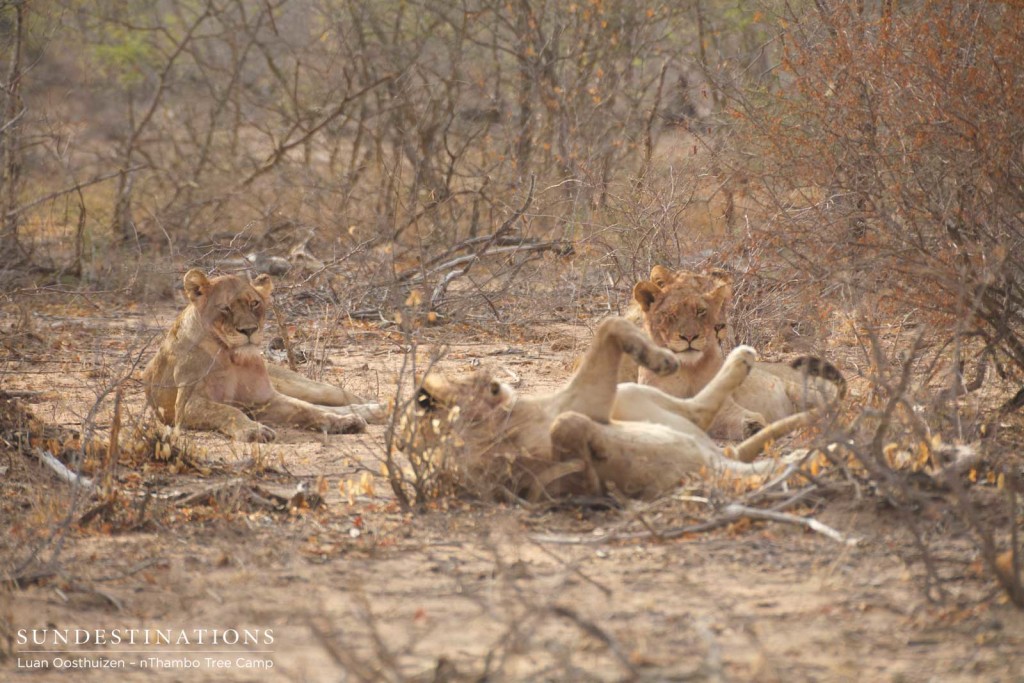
[
  {"x": 736, "y": 511},
  {"x": 727, "y": 515},
  {"x": 61, "y": 469},
  {"x": 234, "y": 494},
  {"x": 499, "y": 243}
]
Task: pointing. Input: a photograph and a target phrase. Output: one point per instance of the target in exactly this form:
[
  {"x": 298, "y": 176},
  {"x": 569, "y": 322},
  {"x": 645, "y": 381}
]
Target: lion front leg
[
  {"x": 712, "y": 407},
  {"x": 197, "y": 412},
  {"x": 572, "y": 470},
  {"x": 591, "y": 391},
  {"x": 286, "y": 411}
]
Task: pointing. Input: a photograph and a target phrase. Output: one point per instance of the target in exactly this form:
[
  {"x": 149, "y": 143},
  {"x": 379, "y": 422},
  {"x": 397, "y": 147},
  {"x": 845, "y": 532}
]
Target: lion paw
[
  {"x": 656, "y": 359},
  {"x": 663, "y": 362},
  {"x": 256, "y": 433},
  {"x": 344, "y": 424},
  {"x": 743, "y": 354}
]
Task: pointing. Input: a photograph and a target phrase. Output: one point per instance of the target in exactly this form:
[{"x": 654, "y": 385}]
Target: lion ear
[
  {"x": 721, "y": 276},
  {"x": 721, "y": 292},
  {"x": 645, "y": 293},
  {"x": 660, "y": 275},
  {"x": 196, "y": 284},
  {"x": 263, "y": 284}
]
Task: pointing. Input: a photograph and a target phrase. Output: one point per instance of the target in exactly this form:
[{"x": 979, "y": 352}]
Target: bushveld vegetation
[{"x": 496, "y": 164}]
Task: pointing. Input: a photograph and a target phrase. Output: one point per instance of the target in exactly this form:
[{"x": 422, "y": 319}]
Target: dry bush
[
  {"x": 886, "y": 168},
  {"x": 891, "y": 162},
  {"x": 378, "y": 142}
]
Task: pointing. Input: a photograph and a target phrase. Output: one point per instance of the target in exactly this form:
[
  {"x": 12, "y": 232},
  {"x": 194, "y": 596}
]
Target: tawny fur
[
  {"x": 591, "y": 436},
  {"x": 209, "y": 372},
  {"x": 688, "y": 313}
]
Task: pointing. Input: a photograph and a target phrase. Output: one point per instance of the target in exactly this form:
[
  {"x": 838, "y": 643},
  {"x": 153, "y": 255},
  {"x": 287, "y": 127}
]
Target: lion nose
[
  {"x": 688, "y": 339},
  {"x": 248, "y": 331}
]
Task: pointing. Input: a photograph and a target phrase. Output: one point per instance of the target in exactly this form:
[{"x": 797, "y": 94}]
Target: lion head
[
  {"x": 231, "y": 308},
  {"x": 473, "y": 407},
  {"x": 686, "y": 312},
  {"x": 458, "y": 429}
]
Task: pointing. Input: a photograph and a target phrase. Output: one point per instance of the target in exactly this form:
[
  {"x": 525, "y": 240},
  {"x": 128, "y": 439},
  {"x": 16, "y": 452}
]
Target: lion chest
[{"x": 243, "y": 382}]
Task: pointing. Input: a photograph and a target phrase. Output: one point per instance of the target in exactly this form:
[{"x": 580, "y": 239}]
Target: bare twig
[
  {"x": 282, "y": 329},
  {"x": 282, "y": 149},
  {"x": 600, "y": 634},
  {"x": 439, "y": 291}
]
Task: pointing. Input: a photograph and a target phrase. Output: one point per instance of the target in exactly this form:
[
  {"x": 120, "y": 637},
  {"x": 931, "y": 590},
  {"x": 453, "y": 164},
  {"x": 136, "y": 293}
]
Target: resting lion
[
  {"x": 209, "y": 372},
  {"x": 593, "y": 435},
  {"x": 688, "y": 313}
]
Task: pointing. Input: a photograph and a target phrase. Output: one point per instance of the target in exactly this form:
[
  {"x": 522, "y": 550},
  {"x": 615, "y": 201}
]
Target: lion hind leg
[
  {"x": 735, "y": 423},
  {"x": 591, "y": 391},
  {"x": 286, "y": 411},
  {"x": 570, "y": 435},
  {"x": 717, "y": 394},
  {"x": 318, "y": 393}
]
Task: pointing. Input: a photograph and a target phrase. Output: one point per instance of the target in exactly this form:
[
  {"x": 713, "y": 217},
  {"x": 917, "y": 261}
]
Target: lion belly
[{"x": 644, "y": 460}]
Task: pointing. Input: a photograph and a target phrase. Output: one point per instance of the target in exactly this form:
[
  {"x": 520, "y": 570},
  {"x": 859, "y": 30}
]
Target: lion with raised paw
[
  {"x": 594, "y": 435},
  {"x": 209, "y": 372}
]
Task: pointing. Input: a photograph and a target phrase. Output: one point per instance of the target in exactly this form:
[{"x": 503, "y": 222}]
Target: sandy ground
[{"x": 357, "y": 590}]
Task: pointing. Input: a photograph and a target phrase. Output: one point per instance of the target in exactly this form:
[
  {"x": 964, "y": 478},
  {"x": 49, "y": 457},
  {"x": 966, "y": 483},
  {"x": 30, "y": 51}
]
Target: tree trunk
[{"x": 10, "y": 144}]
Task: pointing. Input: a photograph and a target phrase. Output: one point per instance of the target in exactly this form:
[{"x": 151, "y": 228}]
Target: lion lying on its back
[
  {"x": 688, "y": 314},
  {"x": 209, "y": 372},
  {"x": 593, "y": 435}
]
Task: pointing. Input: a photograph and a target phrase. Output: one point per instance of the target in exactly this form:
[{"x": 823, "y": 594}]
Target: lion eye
[
  {"x": 702, "y": 311},
  {"x": 719, "y": 327},
  {"x": 255, "y": 305}
]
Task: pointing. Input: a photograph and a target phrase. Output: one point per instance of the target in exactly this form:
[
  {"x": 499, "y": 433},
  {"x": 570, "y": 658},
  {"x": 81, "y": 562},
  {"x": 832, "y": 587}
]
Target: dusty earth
[{"x": 355, "y": 589}]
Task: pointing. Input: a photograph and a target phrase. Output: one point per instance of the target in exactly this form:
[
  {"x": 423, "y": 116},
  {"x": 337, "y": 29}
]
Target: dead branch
[
  {"x": 728, "y": 514},
  {"x": 282, "y": 149},
  {"x": 576, "y": 570},
  {"x": 471, "y": 259},
  {"x": 442, "y": 287},
  {"x": 141, "y": 566},
  {"x": 737, "y": 511},
  {"x": 77, "y": 187},
  {"x": 61, "y": 469},
  {"x": 342, "y": 656}
]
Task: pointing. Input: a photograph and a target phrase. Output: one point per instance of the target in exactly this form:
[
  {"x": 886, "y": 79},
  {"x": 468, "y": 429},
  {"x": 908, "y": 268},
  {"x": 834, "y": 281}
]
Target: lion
[
  {"x": 209, "y": 373},
  {"x": 688, "y": 314},
  {"x": 593, "y": 436}
]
